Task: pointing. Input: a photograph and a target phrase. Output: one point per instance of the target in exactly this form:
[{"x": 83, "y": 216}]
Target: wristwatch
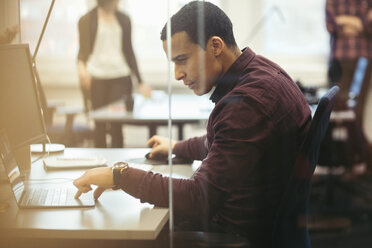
[{"x": 118, "y": 169}]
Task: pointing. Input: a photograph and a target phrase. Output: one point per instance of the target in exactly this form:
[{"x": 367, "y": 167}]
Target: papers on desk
[{"x": 74, "y": 162}]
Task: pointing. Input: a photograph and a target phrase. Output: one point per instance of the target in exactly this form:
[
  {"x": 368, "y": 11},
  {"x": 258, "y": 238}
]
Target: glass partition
[{"x": 190, "y": 78}]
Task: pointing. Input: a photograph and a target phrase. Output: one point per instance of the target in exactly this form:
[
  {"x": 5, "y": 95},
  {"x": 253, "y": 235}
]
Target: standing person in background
[
  {"x": 106, "y": 62},
  {"x": 349, "y": 23}
]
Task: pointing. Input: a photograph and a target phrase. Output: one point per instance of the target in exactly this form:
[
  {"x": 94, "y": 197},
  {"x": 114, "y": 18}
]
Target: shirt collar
[{"x": 228, "y": 81}]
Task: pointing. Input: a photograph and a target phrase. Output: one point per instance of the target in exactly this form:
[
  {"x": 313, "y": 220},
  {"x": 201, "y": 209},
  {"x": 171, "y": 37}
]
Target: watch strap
[{"x": 118, "y": 169}]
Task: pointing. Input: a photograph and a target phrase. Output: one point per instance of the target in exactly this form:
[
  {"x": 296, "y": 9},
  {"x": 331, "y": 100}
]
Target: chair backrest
[{"x": 290, "y": 226}]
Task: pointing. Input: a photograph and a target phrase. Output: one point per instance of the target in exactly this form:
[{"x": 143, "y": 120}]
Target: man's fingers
[
  {"x": 156, "y": 151},
  {"x": 154, "y": 141},
  {"x": 82, "y": 189},
  {"x": 151, "y": 141},
  {"x": 98, "y": 192},
  {"x": 78, "y": 194}
]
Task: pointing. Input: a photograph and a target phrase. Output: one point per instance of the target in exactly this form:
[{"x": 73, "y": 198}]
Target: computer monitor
[
  {"x": 20, "y": 111},
  {"x": 357, "y": 81},
  {"x": 358, "y": 77}
]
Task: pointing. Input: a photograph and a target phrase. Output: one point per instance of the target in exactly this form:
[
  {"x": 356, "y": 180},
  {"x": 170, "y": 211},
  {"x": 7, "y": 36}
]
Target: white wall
[{"x": 245, "y": 15}]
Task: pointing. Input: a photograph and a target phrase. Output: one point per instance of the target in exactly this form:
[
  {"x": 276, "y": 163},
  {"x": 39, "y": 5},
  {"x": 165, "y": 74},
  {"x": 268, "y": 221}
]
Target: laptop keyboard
[{"x": 49, "y": 197}]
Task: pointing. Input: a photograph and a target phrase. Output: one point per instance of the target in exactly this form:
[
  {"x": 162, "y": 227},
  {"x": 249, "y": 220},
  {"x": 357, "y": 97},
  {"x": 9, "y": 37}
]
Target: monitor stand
[
  {"x": 47, "y": 148},
  {"x": 23, "y": 158}
]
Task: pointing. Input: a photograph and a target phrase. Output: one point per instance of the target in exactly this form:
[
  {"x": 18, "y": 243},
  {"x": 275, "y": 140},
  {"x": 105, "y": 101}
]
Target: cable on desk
[
  {"x": 44, "y": 154},
  {"x": 39, "y": 157}
]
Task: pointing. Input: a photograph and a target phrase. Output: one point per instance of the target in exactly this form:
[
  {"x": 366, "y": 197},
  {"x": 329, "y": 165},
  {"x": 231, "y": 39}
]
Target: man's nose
[{"x": 178, "y": 73}]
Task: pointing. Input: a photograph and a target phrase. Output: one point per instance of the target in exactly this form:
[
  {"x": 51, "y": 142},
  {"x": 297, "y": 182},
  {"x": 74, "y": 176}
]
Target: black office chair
[{"x": 290, "y": 228}]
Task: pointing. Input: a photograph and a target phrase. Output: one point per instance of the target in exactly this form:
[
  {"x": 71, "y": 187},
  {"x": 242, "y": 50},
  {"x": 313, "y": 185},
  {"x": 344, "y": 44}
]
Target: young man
[{"x": 253, "y": 134}]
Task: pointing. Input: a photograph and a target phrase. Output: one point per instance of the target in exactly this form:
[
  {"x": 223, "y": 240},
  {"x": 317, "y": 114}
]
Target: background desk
[
  {"x": 153, "y": 112},
  {"x": 117, "y": 216}
]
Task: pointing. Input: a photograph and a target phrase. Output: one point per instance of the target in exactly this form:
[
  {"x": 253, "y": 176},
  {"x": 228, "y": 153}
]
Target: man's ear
[{"x": 217, "y": 45}]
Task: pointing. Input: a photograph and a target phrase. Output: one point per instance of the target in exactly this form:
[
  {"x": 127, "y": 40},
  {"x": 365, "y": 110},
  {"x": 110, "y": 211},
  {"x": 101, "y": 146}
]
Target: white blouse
[{"x": 107, "y": 60}]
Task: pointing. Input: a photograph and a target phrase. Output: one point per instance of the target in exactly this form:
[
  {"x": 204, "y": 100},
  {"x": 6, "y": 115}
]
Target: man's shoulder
[
  {"x": 262, "y": 86},
  {"x": 268, "y": 92}
]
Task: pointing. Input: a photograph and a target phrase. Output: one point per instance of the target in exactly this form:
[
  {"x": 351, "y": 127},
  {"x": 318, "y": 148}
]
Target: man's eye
[{"x": 181, "y": 61}]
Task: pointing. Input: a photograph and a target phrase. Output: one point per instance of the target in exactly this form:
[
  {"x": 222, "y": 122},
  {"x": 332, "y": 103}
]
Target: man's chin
[{"x": 198, "y": 92}]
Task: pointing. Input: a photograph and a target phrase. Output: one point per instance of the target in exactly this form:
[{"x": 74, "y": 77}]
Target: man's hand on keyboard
[{"x": 101, "y": 177}]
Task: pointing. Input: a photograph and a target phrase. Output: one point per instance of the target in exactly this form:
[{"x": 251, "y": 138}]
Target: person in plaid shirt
[{"x": 349, "y": 23}]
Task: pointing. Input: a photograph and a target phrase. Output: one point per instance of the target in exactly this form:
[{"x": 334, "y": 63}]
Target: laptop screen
[{"x": 10, "y": 166}]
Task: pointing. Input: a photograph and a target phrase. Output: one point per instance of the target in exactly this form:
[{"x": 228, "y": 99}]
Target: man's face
[{"x": 197, "y": 68}]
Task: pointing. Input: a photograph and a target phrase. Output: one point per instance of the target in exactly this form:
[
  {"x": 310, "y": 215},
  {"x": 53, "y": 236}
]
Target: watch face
[
  {"x": 118, "y": 169},
  {"x": 120, "y": 164}
]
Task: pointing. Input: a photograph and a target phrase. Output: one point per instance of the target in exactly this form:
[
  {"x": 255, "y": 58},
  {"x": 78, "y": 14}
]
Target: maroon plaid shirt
[{"x": 344, "y": 47}]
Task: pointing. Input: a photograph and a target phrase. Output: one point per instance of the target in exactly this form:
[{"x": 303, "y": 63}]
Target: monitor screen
[
  {"x": 358, "y": 77},
  {"x": 20, "y": 112}
]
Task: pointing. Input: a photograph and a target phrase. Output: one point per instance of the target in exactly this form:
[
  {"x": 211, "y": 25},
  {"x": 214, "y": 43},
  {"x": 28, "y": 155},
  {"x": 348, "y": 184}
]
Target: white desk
[
  {"x": 153, "y": 112},
  {"x": 116, "y": 216}
]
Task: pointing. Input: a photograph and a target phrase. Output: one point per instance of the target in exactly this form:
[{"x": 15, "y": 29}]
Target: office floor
[
  {"x": 352, "y": 202},
  {"x": 353, "y": 238}
]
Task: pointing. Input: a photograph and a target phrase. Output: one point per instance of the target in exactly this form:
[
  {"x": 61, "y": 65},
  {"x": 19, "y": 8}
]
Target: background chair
[
  {"x": 70, "y": 133},
  {"x": 290, "y": 228},
  {"x": 344, "y": 149},
  {"x": 345, "y": 143}
]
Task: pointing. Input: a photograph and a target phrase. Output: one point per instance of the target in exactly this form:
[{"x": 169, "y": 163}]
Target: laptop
[{"x": 43, "y": 194}]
